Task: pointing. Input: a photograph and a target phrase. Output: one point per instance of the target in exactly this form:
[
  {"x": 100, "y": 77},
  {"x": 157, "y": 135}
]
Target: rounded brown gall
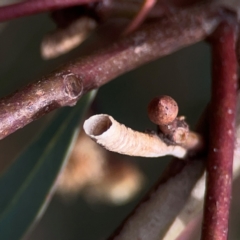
[{"x": 162, "y": 110}]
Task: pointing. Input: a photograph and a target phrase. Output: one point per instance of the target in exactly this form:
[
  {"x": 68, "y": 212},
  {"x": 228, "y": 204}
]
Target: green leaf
[{"x": 26, "y": 187}]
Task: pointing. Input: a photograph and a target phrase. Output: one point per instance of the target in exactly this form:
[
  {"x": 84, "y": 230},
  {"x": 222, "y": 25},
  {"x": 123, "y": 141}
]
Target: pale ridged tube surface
[{"x": 118, "y": 138}]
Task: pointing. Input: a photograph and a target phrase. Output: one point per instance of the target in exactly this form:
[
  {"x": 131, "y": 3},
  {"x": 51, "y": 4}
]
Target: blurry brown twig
[
  {"x": 101, "y": 176},
  {"x": 65, "y": 39}
]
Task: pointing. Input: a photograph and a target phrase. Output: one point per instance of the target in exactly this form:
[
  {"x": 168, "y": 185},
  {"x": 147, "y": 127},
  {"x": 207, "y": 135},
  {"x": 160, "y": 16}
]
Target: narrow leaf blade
[{"x": 27, "y": 186}]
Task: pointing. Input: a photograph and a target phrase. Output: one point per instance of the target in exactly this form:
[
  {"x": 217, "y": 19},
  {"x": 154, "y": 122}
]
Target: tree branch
[
  {"x": 67, "y": 84},
  {"x": 222, "y": 137}
]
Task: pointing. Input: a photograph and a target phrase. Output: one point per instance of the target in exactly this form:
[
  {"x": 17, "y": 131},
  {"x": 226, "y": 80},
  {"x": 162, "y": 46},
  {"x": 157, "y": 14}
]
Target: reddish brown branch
[
  {"x": 31, "y": 7},
  {"x": 66, "y": 85},
  {"x": 222, "y": 128}
]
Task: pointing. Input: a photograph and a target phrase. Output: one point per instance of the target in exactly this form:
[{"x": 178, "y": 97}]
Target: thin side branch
[
  {"x": 222, "y": 133},
  {"x": 65, "y": 86},
  {"x": 31, "y": 7},
  {"x": 147, "y": 5},
  {"x": 129, "y": 9}
]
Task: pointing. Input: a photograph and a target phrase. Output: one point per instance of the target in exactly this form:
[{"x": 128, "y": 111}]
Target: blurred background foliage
[{"x": 184, "y": 75}]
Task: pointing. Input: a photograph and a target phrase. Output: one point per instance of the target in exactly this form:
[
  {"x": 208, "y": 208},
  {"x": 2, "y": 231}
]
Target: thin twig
[
  {"x": 66, "y": 85},
  {"x": 222, "y": 137},
  {"x": 147, "y": 5},
  {"x": 31, "y": 7}
]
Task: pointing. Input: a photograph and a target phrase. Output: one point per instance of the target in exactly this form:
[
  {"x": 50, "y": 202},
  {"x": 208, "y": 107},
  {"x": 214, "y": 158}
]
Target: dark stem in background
[
  {"x": 136, "y": 225},
  {"x": 31, "y": 7},
  {"x": 222, "y": 133},
  {"x": 66, "y": 85},
  {"x": 114, "y": 7}
]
